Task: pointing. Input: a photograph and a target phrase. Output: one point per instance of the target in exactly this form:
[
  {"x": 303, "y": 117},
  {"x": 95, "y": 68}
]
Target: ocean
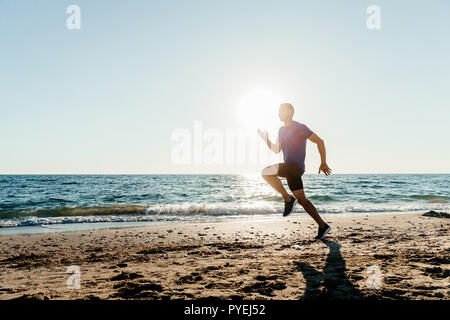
[{"x": 50, "y": 203}]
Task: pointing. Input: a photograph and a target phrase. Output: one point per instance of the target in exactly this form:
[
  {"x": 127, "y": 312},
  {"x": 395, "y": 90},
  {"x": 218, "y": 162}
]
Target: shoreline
[
  {"x": 265, "y": 259},
  {"x": 93, "y": 226}
]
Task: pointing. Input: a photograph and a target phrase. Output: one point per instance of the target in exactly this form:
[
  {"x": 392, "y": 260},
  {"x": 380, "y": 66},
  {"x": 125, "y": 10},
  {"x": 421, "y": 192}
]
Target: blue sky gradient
[{"x": 106, "y": 98}]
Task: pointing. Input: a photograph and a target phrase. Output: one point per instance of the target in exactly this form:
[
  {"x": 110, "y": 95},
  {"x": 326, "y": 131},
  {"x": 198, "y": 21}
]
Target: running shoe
[
  {"x": 289, "y": 206},
  {"x": 323, "y": 231}
]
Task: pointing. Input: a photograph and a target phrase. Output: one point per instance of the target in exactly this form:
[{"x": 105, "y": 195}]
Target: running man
[{"x": 291, "y": 140}]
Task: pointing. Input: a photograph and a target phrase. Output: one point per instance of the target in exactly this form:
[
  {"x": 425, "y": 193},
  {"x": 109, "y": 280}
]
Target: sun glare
[{"x": 259, "y": 109}]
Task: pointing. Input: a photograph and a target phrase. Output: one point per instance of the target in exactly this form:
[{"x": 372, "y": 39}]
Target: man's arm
[
  {"x": 323, "y": 154},
  {"x": 276, "y": 148}
]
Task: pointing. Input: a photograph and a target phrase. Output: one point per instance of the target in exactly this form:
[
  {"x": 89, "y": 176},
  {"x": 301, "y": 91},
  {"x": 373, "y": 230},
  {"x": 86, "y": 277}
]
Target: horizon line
[{"x": 200, "y": 173}]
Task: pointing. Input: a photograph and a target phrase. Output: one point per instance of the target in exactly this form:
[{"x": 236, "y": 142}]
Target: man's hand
[
  {"x": 263, "y": 134},
  {"x": 325, "y": 169},
  {"x": 276, "y": 148}
]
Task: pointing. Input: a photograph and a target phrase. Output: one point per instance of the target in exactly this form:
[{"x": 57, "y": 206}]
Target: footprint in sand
[
  {"x": 192, "y": 278},
  {"x": 126, "y": 276},
  {"x": 143, "y": 289}
]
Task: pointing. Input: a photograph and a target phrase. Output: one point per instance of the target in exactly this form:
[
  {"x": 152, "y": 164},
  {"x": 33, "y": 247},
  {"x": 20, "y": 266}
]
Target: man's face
[{"x": 284, "y": 113}]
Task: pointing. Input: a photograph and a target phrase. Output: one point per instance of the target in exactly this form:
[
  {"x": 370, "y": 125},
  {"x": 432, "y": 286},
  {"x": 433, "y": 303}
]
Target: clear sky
[{"x": 107, "y": 98}]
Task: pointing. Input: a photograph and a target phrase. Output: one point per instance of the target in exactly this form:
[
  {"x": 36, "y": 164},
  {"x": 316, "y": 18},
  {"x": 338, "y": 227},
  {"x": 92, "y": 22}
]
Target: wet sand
[{"x": 385, "y": 256}]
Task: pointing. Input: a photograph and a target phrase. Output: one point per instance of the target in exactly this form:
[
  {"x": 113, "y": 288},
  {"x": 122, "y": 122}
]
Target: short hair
[{"x": 288, "y": 106}]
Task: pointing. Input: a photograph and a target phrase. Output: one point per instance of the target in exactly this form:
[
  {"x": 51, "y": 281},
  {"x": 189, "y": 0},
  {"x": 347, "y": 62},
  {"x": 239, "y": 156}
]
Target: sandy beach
[{"x": 388, "y": 256}]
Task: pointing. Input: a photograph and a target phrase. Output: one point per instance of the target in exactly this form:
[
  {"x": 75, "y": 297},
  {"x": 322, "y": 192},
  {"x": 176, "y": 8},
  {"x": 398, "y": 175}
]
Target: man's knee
[
  {"x": 265, "y": 177},
  {"x": 269, "y": 171}
]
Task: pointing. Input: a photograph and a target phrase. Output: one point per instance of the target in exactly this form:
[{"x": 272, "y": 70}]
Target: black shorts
[{"x": 293, "y": 174}]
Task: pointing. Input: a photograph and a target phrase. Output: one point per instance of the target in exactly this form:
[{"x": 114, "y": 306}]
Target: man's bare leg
[
  {"x": 308, "y": 206},
  {"x": 275, "y": 183},
  {"x": 270, "y": 175}
]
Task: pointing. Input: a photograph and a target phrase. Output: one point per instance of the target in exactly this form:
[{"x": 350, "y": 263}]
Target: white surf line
[{"x": 50, "y": 227}]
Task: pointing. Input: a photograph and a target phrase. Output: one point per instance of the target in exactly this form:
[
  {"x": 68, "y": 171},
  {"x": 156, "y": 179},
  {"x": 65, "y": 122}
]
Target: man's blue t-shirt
[{"x": 293, "y": 142}]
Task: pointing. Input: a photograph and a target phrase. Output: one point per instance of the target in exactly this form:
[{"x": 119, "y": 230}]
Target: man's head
[{"x": 286, "y": 112}]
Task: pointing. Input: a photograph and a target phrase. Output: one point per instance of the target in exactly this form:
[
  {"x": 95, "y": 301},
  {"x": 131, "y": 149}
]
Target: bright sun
[{"x": 259, "y": 109}]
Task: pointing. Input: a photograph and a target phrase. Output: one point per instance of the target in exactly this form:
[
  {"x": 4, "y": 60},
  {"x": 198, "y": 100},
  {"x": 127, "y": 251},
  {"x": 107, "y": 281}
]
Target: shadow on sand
[{"x": 332, "y": 283}]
